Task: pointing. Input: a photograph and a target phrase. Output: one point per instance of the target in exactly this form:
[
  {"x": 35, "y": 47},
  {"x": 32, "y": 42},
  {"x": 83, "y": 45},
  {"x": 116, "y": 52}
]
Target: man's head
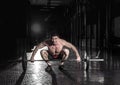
[{"x": 55, "y": 38}]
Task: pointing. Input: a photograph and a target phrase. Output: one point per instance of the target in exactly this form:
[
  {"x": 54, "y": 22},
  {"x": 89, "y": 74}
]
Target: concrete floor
[{"x": 74, "y": 74}]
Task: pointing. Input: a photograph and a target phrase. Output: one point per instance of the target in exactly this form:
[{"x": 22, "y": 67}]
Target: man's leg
[
  {"x": 45, "y": 55},
  {"x": 65, "y": 55}
]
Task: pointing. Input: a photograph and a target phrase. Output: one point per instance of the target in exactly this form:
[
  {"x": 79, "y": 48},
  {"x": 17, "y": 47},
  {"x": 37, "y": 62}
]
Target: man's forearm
[
  {"x": 34, "y": 52},
  {"x": 77, "y": 54},
  {"x": 75, "y": 51}
]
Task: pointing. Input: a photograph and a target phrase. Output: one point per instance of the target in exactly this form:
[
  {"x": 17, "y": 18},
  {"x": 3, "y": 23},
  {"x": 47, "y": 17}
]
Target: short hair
[{"x": 54, "y": 33}]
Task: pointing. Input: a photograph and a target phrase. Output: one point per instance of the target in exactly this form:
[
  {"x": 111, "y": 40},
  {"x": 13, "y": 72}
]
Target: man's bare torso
[{"x": 55, "y": 49}]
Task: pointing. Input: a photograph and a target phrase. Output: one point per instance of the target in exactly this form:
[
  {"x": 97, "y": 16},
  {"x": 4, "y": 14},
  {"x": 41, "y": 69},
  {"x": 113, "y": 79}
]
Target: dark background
[{"x": 18, "y": 16}]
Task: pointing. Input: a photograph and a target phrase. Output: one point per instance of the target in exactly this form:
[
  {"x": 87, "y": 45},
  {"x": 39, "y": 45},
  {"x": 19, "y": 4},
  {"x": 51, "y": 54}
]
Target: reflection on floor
[{"x": 74, "y": 74}]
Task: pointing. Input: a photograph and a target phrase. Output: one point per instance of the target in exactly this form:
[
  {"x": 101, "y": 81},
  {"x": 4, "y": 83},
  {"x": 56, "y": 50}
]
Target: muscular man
[{"x": 57, "y": 49}]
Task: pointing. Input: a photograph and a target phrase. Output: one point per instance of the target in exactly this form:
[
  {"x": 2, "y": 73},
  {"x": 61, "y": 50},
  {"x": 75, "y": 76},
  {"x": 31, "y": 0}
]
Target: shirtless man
[{"x": 57, "y": 49}]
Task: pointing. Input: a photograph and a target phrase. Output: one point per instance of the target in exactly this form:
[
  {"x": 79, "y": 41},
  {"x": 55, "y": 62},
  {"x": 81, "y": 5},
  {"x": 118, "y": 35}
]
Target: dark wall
[
  {"x": 49, "y": 21},
  {"x": 12, "y": 24},
  {"x": 15, "y": 13}
]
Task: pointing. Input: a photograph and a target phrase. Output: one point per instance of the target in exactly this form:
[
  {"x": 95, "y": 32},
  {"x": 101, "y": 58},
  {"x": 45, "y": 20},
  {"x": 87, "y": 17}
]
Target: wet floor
[{"x": 74, "y": 74}]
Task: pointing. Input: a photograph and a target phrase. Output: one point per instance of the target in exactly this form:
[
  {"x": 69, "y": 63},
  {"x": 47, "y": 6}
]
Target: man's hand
[
  {"x": 78, "y": 59},
  {"x": 32, "y": 59}
]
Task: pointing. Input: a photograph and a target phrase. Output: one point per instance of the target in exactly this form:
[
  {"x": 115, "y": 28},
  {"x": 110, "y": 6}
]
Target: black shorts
[{"x": 51, "y": 57}]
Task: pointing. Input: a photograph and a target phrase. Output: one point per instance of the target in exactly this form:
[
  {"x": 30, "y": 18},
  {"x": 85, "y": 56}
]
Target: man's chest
[{"x": 55, "y": 47}]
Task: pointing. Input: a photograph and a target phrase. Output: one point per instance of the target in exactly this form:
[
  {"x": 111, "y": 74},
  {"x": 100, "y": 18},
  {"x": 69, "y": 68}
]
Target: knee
[
  {"x": 66, "y": 51},
  {"x": 43, "y": 52}
]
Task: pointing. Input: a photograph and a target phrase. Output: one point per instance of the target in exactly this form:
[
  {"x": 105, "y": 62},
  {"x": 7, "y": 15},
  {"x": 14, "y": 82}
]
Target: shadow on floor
[
  {"x": 19, "y": 81},
  {"x": 53, "y": 75}
]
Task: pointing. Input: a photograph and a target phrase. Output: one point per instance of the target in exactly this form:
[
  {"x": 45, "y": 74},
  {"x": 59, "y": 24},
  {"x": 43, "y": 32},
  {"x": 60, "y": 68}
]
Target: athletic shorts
[{"x": 50, "y": 57}]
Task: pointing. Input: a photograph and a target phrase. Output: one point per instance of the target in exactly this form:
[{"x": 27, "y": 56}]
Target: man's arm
[
  {"x": 71, "y": 46},
  {"x": 39, "y": 46}
]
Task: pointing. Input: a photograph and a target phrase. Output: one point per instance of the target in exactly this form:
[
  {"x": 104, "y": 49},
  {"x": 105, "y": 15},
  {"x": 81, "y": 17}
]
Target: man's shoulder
[
  {"x": 47, "y": 42},
  {"x": 63, "y": 40}
]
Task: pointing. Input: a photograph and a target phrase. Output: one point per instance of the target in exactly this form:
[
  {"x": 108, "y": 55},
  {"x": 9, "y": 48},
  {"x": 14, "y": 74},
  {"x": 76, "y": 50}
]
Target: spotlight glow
[{"x": 36, "y": 28}]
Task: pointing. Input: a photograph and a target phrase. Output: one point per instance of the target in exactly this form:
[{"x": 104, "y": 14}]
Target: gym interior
[{"x": 93, "y": 26}]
